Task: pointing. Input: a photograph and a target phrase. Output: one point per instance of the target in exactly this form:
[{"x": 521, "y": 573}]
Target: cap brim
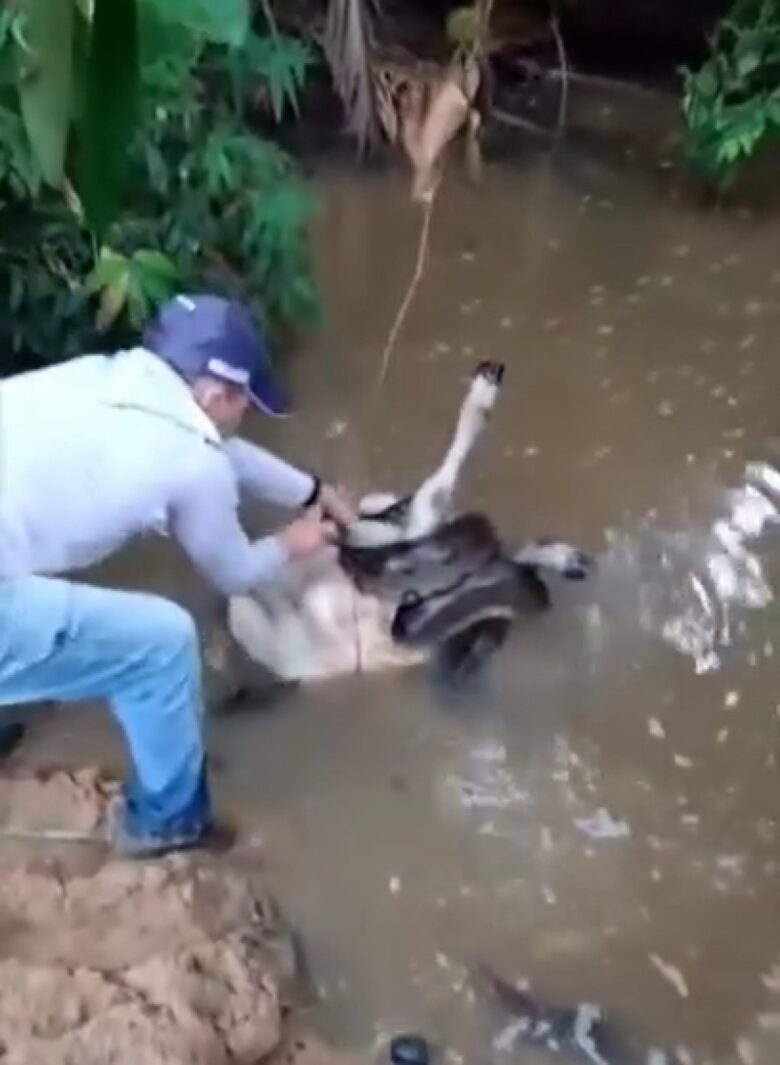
[{"x": 270, "y": 397}]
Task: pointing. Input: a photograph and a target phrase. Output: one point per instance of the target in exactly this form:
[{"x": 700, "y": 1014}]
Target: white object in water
[
  {"x": 683, "y": 762},
  {"x": 603, "y": 826},
  {"x": 771, "y": 980},
  {"x": 671, "y": 974},
  {"x": 587, "y": 1016},
  {"x": 745, "y": 1051},
  {"x": 507, "y": 1039},
  {"x": 765, "y": 474},
  {"x": 752, "y": 511}
]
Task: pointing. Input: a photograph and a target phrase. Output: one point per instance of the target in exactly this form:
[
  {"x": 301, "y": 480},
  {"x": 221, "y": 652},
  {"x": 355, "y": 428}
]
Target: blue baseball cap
[{"x": 203, "y": 334}]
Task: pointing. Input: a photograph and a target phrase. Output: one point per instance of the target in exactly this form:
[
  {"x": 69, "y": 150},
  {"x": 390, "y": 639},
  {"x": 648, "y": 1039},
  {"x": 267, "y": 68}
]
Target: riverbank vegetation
[
  {"x": 731, "y": 102},
  {"x": 129, "y": 168},
  {"x": 140, "y": 151}
]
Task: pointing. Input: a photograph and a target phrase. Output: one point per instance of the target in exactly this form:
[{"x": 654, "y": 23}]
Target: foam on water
[
  {"x": 695, "y": 585},
  {"x": 689, "y": 587}
]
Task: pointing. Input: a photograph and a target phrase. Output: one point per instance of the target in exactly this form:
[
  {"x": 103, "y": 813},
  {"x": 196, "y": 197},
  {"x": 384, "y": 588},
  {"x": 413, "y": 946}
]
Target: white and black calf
[{"x": 408, "y": 580}]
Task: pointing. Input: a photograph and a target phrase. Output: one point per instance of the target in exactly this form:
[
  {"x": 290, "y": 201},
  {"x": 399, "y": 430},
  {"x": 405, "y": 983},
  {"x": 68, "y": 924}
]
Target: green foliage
[
  {"x": 178, "y": 193},
  {"x": 282, "y": 62},
  {"x": 110, "y": 107},
  {"x": 44, "y": 58},
  {"x": 45, "y": 315},
  {"x": 732, "y": 102},
  {"x": 20, "y": 172},
  {"x": 132, "y": 284},
  {"x": 226, "y": 205},
  {"x": 226, "y": 22}
]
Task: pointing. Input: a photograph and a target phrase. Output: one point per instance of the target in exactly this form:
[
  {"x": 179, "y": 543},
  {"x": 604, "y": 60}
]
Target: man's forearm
[
  {"x": 217, "y": 545},
  {"x": 270, "y": 478},
  {"x": 236, "y": 573}
]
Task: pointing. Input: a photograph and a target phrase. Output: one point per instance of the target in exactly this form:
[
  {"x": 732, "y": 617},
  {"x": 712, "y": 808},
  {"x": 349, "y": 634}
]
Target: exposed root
[
  {"x": 533, "y": 69},
  {"x": 508, "y": 119}
]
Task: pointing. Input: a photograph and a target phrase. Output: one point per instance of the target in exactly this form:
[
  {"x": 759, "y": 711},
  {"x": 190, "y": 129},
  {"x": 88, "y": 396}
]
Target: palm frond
[{"x": 347, "y": 43}]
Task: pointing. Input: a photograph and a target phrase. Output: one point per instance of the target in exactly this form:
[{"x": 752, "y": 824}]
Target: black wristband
[{"x": 315, "y": 492}]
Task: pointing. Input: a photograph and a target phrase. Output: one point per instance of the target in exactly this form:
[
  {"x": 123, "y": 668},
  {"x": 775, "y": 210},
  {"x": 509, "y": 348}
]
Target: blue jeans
[{"x": 67, "y": 641}]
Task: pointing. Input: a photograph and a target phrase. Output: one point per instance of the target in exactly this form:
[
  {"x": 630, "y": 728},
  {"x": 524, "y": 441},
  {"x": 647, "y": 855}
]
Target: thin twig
[
  {"x": 564, "y": 65},
  {"x": 50, "y": 835},
  {"x": 422, "y": 252},
  {"x": 509, "y": 119},
  {"x": 596, "y": 81}
]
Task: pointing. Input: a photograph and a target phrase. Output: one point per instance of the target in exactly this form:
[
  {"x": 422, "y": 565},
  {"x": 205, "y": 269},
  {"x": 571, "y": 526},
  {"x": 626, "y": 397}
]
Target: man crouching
[{"x": 105, "y": 447}]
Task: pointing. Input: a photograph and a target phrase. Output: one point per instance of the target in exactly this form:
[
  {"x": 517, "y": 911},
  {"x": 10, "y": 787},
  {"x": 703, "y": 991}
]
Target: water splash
[{"x": 695, "y": 585}]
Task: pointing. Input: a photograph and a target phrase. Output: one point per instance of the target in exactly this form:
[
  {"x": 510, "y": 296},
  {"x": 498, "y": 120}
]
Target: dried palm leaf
[
  {"x": 430, "y": 128},
  {"x": 447, "y": 114},
  {"x": 347, "y": 43},
  {"x": 387, "y": 112}
]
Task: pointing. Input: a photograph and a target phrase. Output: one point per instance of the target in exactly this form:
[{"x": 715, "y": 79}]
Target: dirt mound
[{"x": 179, "y": 961}]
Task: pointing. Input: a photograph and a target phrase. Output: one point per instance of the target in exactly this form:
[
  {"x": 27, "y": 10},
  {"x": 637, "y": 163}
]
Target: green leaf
[
  {"x": 112, "y": 301},
  {"x": 282, "y": 61},
  {"x": 6, "y": 25},
  {"x": 155, "y": 265},
  {"x": 729, "y": 150},
  {"x": 108, "y": 270},
  {"x": 706, "y": 81},
  {"x": 111, "y": 109},
  {"x": 18, "y": 164},
  {"x": 45, "y": 88},
  {"x": 137, "y": 303},
  {"x": 748, "y": 63},
  {"x": 169, "y": 51},
  {"x": 217, "y": 165},
  {"x": 81, "y": 36},
  {"x": 773, "y": 109},
  {"x": 155, "y": 277},
  {"x": 218, "y": 21},
  {"x": 156, "y": 168}
]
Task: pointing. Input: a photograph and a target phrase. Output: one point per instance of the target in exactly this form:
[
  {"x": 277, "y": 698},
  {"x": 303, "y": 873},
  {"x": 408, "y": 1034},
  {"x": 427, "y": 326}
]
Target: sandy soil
[{"x": 184, "y": 960}]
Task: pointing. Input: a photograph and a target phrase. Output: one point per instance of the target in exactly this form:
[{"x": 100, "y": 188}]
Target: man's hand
[
  {"x": 308, "y": 535},
  {"x": 337, "y": 506}
]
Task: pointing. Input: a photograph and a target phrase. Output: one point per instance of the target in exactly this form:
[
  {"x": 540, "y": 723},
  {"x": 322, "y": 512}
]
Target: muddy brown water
[{"x": 412, "y": 836}]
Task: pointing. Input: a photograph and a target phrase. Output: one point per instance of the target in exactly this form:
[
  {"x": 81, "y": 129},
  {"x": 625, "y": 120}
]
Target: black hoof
[
  {"x": 409, "y": 1050},
  {"x": 580, "y": 567},
  {"x": 491, "y": 371}
]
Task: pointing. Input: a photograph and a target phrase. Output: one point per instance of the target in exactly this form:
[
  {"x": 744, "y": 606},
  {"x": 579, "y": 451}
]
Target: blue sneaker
[{"x": 129, "y": 844}]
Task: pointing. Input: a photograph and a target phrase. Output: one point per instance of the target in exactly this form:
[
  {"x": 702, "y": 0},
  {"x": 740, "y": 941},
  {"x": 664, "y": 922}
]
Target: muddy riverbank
[{"x": 183, "y": 959}]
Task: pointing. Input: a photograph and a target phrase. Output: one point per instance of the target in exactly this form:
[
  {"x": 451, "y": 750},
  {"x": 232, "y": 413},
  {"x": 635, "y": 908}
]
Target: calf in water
[{"x": 407, "y": 582}]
